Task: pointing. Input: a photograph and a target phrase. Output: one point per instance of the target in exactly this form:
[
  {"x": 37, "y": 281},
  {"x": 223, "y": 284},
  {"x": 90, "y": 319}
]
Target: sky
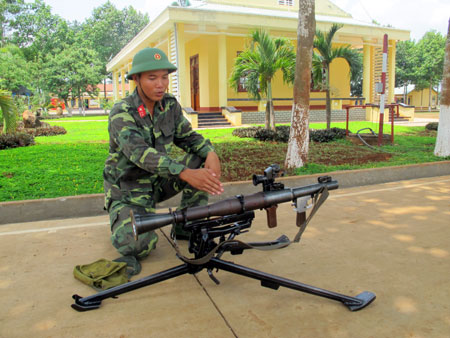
[{"x": 418, "y": 16}]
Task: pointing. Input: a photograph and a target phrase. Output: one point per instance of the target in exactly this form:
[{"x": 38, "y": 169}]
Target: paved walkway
[{"x": 392, "y": 239}]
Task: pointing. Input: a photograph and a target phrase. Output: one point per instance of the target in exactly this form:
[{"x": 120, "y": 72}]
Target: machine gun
[{"x": 213, "y": 229}]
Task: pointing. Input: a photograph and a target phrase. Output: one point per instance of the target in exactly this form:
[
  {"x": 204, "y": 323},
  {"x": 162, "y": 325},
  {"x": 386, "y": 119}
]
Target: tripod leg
[
  {"x": 274, "y": 282},
  {"x": 94, "y": 301}
]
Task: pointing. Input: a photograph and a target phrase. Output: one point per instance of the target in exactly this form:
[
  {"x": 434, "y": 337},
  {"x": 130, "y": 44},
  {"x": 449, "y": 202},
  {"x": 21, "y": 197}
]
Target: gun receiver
[{"x": 229, "y": 206}]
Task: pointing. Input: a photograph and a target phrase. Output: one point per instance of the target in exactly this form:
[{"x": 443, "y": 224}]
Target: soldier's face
[{"x": 154, "y": 83}]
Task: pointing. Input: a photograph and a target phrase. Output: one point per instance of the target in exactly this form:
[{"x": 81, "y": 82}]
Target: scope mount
[{"x": 268, "y": 179}]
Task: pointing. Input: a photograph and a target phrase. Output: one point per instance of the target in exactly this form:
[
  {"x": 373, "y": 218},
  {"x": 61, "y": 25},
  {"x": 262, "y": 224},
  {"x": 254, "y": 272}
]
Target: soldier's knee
[{"x": 122, "y": 237}]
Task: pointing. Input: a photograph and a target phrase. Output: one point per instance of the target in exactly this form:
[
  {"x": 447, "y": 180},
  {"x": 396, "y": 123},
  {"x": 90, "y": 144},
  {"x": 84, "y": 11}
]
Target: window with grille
[{"x": 286, "y": 2}]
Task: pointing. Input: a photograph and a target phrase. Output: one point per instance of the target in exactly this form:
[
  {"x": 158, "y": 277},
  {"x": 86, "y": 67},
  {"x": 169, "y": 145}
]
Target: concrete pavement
[{"x": 392, "y": 239}]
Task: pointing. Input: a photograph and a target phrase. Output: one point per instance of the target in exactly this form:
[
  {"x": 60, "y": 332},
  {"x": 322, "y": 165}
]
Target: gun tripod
[{"x": 208, "y": 256}]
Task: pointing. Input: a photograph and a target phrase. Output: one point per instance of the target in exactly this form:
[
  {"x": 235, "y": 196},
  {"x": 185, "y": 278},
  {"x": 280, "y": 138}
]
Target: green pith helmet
[{"x": 150, "y": 59}]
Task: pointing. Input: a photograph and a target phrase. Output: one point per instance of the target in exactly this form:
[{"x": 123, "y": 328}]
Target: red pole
[
  {"x": 346, "y": 128},
  {"x": 383, "y": 81}
]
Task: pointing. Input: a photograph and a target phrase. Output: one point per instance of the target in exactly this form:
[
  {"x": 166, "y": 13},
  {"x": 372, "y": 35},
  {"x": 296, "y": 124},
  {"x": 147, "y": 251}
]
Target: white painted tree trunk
[
  {"x": 298, "y": 146},
  {"x": 442, "y": 148}
]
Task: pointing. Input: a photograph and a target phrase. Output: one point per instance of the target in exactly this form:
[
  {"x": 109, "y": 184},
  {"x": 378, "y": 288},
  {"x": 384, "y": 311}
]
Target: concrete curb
[{"x": 92, "y": 205}]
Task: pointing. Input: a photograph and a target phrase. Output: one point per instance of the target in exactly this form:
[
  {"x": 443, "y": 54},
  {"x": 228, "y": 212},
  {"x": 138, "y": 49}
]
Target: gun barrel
[{"x": 229, "y": 206}]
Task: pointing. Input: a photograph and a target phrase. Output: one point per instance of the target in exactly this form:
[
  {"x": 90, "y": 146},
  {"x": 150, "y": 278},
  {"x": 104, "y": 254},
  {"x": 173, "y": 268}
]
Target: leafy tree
[
  {"x": 405, "y": 65},
  {"x": 297, "y": 152},
  {"x": 430, "y": 52},
  {"x": 356, "y": 81},
  {"x": 324, "y": 54},
  {"x": 14, "y": 69},
  {"x": 8, "y": 9},
  {"x": 73, "y": 72},
  {"x": 7, "y": 112},
  {"x": 36, "y": 30},
  {"x": 181, "y": 3},
  {"x": 108, "y": 30},
  {"x": 259, "y": 63},
  {"x": 442, "y": 147}
]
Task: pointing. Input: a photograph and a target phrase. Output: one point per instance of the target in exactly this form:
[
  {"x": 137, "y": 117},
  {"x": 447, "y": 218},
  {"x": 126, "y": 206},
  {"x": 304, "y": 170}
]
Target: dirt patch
[
  {"x": 427, "y": 133},
  {"x": 340, "y": 154},
  {"x": 240, "y": 163},
  {"x": 8, "y": 175}
]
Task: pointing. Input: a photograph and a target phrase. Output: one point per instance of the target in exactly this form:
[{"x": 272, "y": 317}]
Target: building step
[
  {"x": 399, "y": 119},
  {"x": 214, "y": 123},
  {"x": 202, "y": 116},
  {"x": 212, "y": 120}
]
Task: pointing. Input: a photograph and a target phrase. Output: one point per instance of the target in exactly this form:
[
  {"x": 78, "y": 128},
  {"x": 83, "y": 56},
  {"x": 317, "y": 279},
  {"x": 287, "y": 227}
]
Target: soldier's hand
[
  {"x": 212, "y": 162},
  {"x": 204, "y": 179}
]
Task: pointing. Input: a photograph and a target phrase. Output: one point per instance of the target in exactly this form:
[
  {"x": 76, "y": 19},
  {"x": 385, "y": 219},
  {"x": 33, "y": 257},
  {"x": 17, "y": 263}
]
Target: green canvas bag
[{"x": 102, "y": 274}]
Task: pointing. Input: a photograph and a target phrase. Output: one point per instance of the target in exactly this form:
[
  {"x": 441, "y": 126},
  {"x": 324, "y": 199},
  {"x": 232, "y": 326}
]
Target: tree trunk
[
  {"x": 429, "y": 96},
  {"x": 328, "y": 107},
  {"x": 442, "y": 147},
  {"x": 270, "y": 104},
  {"x": 104, "y": 86},
  {"x": 267, "y": 121},
  {"x": 272, "y": 115},
  {"x": 297, "y": 152},
  {"x": 328, "y": 97},
  {"x": 69, "y": 107}
]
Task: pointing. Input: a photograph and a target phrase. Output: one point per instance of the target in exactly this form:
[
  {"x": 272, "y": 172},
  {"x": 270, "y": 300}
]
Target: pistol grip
[
  {"x": 272, "y": 216},
  {"x": 300, "y": 219}
]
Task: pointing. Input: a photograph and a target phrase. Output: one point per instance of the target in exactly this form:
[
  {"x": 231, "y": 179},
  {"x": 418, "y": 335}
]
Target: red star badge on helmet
[{"x": 157, "y": 56}]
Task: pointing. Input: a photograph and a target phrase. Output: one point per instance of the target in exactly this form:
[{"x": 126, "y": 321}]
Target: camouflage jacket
[{"x": 139, "y": 146}]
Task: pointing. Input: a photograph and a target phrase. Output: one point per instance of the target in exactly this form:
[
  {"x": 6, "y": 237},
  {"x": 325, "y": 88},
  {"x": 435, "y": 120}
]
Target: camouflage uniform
[{"x": 139, "y": 172}]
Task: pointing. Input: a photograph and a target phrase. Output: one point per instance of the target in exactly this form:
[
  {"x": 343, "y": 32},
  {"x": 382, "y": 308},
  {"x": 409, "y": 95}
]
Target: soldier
[{"x": 139, "y": 171}]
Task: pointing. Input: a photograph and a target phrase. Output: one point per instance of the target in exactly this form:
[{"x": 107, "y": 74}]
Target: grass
[{"x": 72, "y": 164}]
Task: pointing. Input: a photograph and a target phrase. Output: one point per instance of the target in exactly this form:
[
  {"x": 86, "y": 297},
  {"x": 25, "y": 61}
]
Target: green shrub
[
  {"x": 281, "y": 133},
  {"x": 246, "y": 132},
  {"x": 326, "y": 135},
  {"x": 432, "y": 126},
  {"x": 15, "y": 140},
  {"x": 51, "y": 131}
]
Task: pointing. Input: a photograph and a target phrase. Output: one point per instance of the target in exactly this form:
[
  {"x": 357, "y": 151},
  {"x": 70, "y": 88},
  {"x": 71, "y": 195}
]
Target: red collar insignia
[{"x": 141, "y": 110}]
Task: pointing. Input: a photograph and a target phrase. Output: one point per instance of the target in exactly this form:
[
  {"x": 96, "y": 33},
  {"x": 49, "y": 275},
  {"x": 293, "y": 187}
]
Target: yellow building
[
  {"x": 420, "y": 99},
  {"x": 204, "y": 39}
]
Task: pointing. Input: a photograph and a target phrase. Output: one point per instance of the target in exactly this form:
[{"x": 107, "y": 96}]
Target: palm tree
[
  {"x": 181, "y": 3},
  {"x": 324, "y": 54},
  {"x": 256, "y": 66},
  {"x": 7, "y": 109}
]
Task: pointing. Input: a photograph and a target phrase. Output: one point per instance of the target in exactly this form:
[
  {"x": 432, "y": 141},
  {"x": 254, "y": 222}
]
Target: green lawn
[{"x": 72, "y": 164}]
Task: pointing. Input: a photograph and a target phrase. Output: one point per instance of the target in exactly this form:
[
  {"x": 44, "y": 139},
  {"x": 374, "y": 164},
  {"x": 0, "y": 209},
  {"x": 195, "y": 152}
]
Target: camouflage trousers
[{"x": 122, "y": 236}]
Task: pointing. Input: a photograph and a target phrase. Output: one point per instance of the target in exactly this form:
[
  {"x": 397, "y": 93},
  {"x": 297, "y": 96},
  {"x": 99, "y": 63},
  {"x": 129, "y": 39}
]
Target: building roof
[
  {"x": 244, "y": 17},
  {"x": 401, "y": 90},
  {"x": 213, "y": 7},
  {"x": 409, "y": 89}
]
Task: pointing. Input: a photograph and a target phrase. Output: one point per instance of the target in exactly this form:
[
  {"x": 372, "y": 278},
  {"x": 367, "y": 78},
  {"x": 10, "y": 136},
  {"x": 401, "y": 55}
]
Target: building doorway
[{"x": 195, "y": 83}]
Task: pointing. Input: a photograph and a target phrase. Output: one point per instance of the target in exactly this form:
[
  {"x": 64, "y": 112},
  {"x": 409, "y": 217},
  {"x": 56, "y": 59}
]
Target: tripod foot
[
  {"x": 364, "y": 299},
  {"x": 81, "y": 306}
]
